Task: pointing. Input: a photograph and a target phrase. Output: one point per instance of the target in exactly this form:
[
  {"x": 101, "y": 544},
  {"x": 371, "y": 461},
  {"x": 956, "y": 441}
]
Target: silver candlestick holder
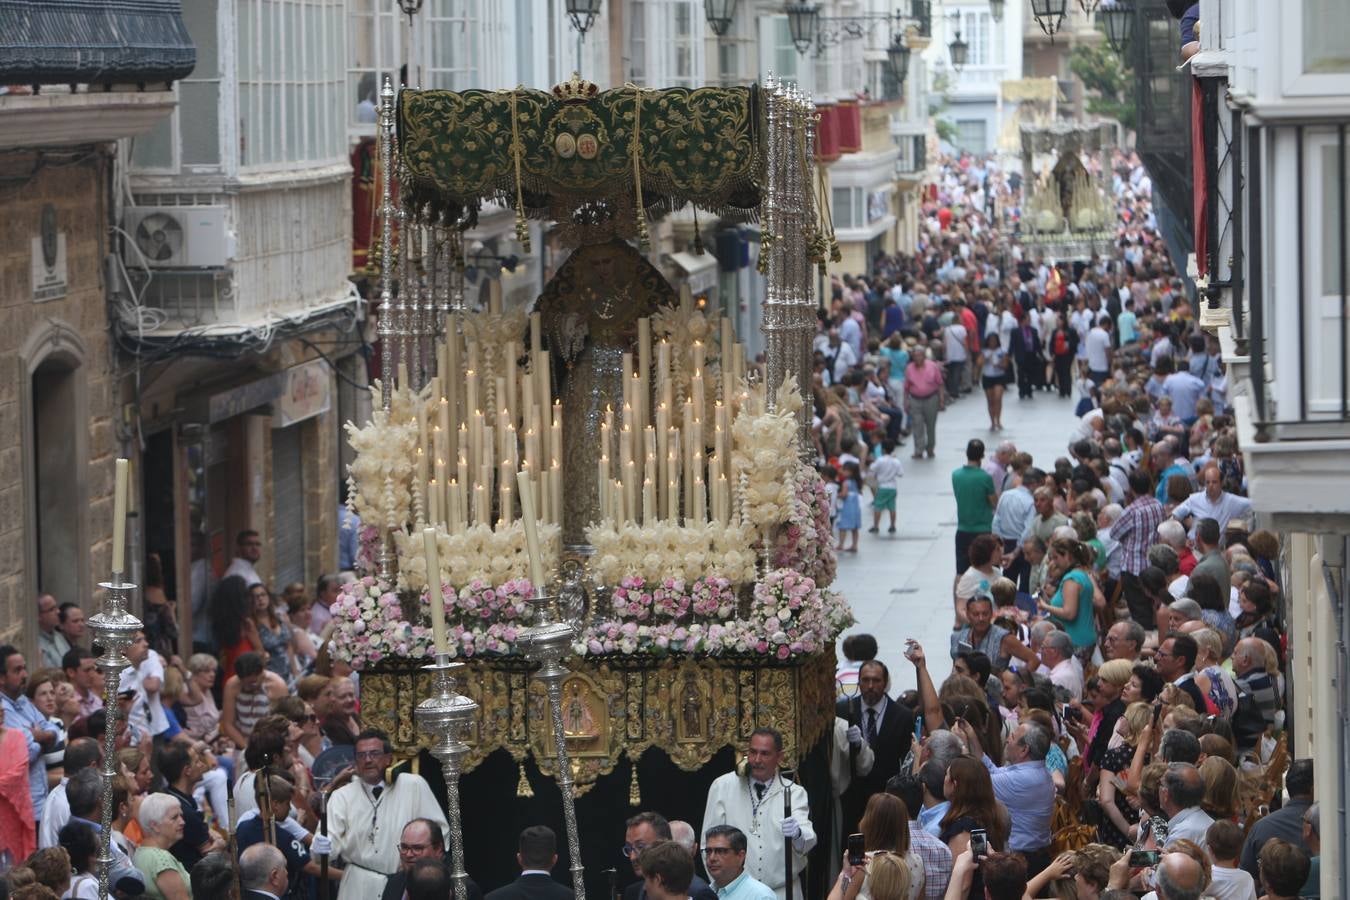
[
  {"x": 547, "y": 642},
  {"x": 446, "y": 717},
  {"x": 113, "y": 629}
]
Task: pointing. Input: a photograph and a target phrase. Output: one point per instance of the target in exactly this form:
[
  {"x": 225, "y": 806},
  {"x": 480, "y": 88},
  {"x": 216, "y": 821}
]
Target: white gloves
[
  {"x": 854, "y": 735},
  {"x": 791, "y": 829},
  {"x": 321, "y": 845}
]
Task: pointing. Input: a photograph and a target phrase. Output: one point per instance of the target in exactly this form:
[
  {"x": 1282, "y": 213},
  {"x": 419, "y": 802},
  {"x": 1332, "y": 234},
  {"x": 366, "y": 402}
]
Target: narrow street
[{"x": 900, "y": 585}]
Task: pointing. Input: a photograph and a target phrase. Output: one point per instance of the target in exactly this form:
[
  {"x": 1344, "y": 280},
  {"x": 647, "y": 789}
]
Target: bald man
[{"x": 1179, "y": 877}]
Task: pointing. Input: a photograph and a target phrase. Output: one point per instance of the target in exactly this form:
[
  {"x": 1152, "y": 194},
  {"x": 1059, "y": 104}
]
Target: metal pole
[
  {"x": 386, "y": 324},
  {"x": 113, "y": 629},
  {"x": 447, "y": 716}
]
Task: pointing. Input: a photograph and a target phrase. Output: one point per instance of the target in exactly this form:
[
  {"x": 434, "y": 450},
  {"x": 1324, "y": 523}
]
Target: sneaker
[{"x": 873, "y": 530}]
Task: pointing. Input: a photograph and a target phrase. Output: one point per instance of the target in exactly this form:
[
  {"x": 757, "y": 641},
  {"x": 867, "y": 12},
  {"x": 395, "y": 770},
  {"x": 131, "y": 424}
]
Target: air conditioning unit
[{"x": 177, "y": 237}]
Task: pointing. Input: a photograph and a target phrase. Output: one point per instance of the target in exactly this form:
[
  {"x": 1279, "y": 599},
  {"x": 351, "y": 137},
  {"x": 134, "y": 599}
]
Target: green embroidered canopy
[{"x": 552, "y": 154}]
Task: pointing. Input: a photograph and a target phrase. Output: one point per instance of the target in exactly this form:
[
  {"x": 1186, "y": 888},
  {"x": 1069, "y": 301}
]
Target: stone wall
[{"x": 67, "y": 335}]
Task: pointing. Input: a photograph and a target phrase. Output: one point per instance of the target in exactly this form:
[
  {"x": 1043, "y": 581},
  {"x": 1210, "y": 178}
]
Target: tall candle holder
[
  {"x": 547, "y": 642},
  {"x": 446, "y": 717},
  {"x": 113, "y": 629}
]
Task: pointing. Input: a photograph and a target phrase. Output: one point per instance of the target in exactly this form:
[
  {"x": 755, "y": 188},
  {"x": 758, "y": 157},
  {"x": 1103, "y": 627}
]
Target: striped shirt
[
  {"x": 249, "y": 707},
  {"x": 1136, "y": 529}
]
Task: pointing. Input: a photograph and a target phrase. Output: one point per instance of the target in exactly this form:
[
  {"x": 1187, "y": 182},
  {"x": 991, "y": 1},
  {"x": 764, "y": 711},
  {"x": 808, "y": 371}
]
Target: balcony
[{"x": 1290, "y": 342}]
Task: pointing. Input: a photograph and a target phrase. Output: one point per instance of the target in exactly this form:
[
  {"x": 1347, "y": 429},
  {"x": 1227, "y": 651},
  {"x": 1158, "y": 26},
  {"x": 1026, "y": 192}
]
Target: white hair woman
[{"x": 161, "y": 819}]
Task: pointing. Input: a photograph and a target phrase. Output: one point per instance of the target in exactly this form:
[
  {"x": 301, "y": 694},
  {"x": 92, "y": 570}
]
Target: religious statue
[
  {"x": 578, "y": 720},
  {"x": 590, "y": 311},
  {"x": 691, "y": 709}
]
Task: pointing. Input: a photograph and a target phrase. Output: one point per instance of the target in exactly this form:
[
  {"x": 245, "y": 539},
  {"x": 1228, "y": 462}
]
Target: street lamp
[
  {"x": 897, "y": 54},
  {"x": 1049, "y": 15},
  {"x": 1089, "y": 6},
  {"x": 802, "y": 18},
  {"x": 582, "y": 13},
  {"x": 1118, "y": 21},
  {"x": 719, "y": 14},
  {"x": 996, "y": 9},
  {"x": 959, "y": 50}
]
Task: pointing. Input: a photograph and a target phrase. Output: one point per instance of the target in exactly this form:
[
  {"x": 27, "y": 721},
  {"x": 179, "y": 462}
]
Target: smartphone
[
  {"x": 1072, "y": 712},
  {"x": 1141, "y": 859},
  {"x": 856, "y": 854},
  {"x": 979, "y": 843}
]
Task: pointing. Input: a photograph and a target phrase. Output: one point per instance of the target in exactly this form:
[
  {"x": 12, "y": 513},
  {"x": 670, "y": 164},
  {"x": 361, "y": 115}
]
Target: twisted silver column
[
  {"x": 113, "y": 629},
  {"x": 386, "y": 329},
  {"x": 446, "y": 716},
  {"x": 548, "y": 642}
]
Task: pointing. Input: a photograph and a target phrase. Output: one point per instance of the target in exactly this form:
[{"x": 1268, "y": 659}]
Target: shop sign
[{"x": 307, "y": 392}]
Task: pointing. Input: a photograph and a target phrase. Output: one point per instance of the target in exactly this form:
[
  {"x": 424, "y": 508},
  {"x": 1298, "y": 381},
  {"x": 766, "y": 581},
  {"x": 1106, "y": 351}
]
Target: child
[
  {"x": 884, "y": 476},
  {"x": 850, "y": 506},
  {"x": 830, "y": 475},
  {"x": 1224, "y": 842}
]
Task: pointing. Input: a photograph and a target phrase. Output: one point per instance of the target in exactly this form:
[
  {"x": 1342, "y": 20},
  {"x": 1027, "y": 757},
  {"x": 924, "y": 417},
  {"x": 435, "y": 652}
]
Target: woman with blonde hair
[
  {"x": 1112, "y": 678},
  {"x": 1117, "y": 763}
]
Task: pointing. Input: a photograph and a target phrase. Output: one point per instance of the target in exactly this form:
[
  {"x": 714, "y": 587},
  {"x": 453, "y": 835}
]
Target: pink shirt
[{"x": 923, "y": 380}]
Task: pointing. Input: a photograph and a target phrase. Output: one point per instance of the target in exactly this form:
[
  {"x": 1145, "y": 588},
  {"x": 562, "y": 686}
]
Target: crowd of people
[{"x": 1111, "y": 727}]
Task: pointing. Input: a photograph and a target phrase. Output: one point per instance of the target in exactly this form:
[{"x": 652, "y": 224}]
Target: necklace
[{"x": 379, "y": 792}]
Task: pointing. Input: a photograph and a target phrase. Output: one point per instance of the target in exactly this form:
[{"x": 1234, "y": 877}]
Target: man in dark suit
[
  {"x": 1025, "y": 349},
  {"x": 645, "y": 829},
  {"x": 886, "y": 726},
  {"x": 262, "y": 873},
  {"x": 421, "y": 839},
  {"x": 537, "y": 854}
]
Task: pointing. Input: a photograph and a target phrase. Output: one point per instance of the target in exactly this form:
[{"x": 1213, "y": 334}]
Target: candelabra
[
  {"x": 113, "y": 629},
  {"x": 547, "y": 642},
  {"x": 446, "y": 717}
]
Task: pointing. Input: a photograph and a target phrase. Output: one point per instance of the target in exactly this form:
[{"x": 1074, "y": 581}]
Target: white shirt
[
  {"x": 1191, "y": 823},
  {"x": 887, "y": 471},
  {"x": 730, "y": 803},
  {"x": 1098, "y": 350},
  {"x": 1178, "y": 588},
  {"x": 1068, "y": 674},
  {"x": 148, "y": 712},
  {"x": 843, "y": 361},
  {"x": 955, "y": 335},
  {"x": 1224, "y": 510},
  {"x": 243, "y": 568},
  {"x": 55, "y": 815},
  {"x": 1231, "y": 884}
]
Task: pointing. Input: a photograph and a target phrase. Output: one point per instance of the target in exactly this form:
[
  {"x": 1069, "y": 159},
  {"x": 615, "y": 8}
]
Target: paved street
[{"x": 900, "y": 585}]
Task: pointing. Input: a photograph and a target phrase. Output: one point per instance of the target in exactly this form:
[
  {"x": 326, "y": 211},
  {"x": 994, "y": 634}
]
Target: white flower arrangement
[
  {"x": 665, "y": 550},
  {"x": 764, "y": 455},
  {"x": 381, "y": 476},
  {"x": 476, "y": 554}
]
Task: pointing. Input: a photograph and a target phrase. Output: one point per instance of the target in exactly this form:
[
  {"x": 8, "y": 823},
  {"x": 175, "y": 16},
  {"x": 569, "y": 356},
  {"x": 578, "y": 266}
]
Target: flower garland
[
  {"x": 380, "y": 478},
  {"x": 804, "y": 543},
  {"x": 788, "y": 616},
  {"x": 665, "y": 550}
]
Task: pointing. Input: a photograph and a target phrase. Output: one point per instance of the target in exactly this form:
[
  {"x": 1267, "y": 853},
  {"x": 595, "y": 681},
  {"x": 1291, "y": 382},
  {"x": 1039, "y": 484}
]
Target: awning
[{"x": 699, "y": 271}]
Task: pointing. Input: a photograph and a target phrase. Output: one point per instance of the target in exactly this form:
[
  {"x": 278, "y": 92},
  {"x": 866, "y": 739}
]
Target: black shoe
[
  {"x": 872, "y": 530},
  {"x": 891, "y": 530}
]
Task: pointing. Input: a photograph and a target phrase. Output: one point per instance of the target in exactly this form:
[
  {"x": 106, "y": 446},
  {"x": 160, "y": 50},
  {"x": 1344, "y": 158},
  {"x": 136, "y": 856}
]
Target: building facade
[
  {"x": 62, "y": 404},
  {"x": 1273, "y": 84}
]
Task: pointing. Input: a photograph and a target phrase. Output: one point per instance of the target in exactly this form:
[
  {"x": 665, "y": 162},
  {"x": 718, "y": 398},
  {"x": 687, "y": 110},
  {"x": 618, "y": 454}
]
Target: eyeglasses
[
  {"x": 631, "y": 850},
  {"x": 413, "y": 848},
  {"x": 718, "y": 851},
  {"x": 369, "y": 754}
]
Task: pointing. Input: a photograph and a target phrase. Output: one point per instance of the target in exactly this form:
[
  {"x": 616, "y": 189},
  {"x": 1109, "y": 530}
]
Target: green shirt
[
  {"x": 152, "y": 861},
  {"x": 973, "y": 487}
]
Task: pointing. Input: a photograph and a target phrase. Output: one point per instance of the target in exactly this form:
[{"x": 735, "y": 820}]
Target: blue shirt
[
  {"x": 1014, "y": 513},
  {"x": 1174, "y": 469},
  {"x": 1125, "y": 325},
  {"x": 745, "y": 887},
  {"x": 349, "y": 536},
  {"x": 23, "y": 715},
  {"x": 1029, "y": 793},
  {"x": 1184, "y": 389},
  {"x": 931, "y": 819}
]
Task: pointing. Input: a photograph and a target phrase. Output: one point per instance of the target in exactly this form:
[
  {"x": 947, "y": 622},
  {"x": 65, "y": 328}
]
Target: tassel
[
  {"x": 644, "y": 240},
  {"x": 517, "y": 149},
  {"x": 634, "y": 791},
  {"x": 523, "y": 789},
  {"x": 698, "y": 235}
]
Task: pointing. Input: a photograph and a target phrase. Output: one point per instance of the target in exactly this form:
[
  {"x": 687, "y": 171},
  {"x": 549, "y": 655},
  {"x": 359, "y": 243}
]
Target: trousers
[{"x": 923, "y": 413}]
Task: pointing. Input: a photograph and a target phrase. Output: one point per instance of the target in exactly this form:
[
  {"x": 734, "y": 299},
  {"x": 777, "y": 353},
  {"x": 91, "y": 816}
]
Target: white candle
[
  {"x": 434, "y": 590},
  {"x": 536, "y": 332},
  {"x": 648, "y": 502},
  {"x": 555, "y": 491},
  {"x": 495, "y": 296},
  {"x": 505, "y": 506},
  {"x": 119, "y": 517},
  {"x": 433, "y": 500},
  {"x": 531, "y": 531},
  {"x": 644, "y": 371},
  {"x": 602, "y": 485}
]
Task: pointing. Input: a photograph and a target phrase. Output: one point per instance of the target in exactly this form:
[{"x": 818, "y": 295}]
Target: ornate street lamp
[
  {"x": 1117, "y": 21},
  {"x": 802, "y": 20},
  {"x": 897, "y": 54},
  {"x": 582, "y": 13},
  {"x": 719, "y": 14},
  {"x": 1089, "y": 6},
  {"x": 959, "y": 50},
  {"x": 1049, "y": 14},
  {"x": 996, "y": 9}
]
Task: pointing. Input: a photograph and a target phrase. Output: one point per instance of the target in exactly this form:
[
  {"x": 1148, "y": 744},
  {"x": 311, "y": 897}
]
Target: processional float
[{"x": 596, "y": 487}]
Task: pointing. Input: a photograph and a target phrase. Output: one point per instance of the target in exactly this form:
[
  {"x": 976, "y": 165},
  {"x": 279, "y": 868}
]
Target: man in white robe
[
  {"x": 366, "y": 817},
  {"x": 754, "y": 803}
]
